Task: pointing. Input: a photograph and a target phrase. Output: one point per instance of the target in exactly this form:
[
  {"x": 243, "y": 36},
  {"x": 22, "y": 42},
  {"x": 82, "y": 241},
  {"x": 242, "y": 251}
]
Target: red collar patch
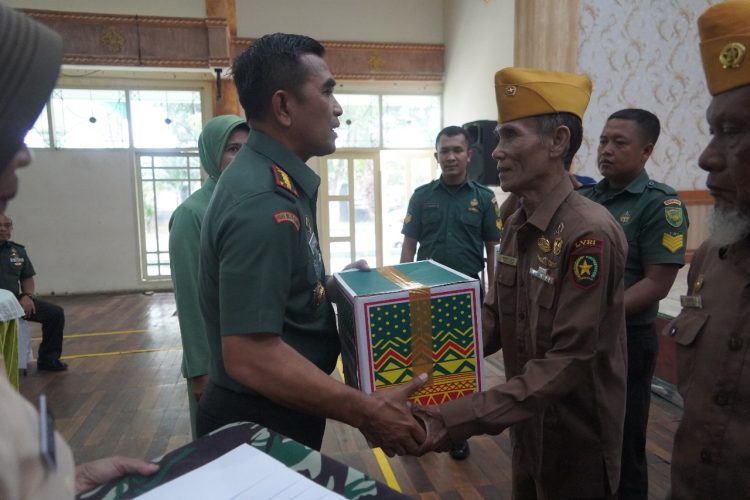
[{"x": 282, "y": 179}]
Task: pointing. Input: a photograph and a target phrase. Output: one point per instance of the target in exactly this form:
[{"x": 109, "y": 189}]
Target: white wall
[
  {"x": 646, "y": 55},
  {"x": 478, "y": 42},
  {"x": 181, "y": 8},
  {"x": 404, "y": 21},
  {"x": 76, "y": 214}
]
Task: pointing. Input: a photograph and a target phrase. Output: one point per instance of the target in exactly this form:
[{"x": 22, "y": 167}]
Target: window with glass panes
[{"x": 160, "y": 126}]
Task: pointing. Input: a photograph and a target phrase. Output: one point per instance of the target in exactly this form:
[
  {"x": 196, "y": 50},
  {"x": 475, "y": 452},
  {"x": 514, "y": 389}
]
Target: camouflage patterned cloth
[{"x": 323, "y": 470}]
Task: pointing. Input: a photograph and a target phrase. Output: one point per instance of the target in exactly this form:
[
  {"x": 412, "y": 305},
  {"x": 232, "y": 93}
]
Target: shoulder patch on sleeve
[
  {"x": 287, "y": 216},
  {"x": 673, "y": 201},
  {"x": 674, "y": 215},
  {"x": 282, "y": 180},
  {"x": 407, "y": 219},
  {"x": 586, "y": 262}
]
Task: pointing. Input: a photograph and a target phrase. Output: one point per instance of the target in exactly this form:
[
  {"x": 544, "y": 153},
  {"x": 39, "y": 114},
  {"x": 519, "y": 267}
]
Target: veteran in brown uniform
[
  {"x": 557, "y": 309},
  {"x": 711, "y": 455}
]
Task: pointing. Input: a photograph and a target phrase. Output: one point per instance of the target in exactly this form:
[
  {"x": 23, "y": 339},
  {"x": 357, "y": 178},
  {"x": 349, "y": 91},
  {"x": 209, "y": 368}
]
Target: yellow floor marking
[
  {"x": 117, "y": 353},
  {"x": 96, "y": 334},
  {"x": 380, "y": 457}
]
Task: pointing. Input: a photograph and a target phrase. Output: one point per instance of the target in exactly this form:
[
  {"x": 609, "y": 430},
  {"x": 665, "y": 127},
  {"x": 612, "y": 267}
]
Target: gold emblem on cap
[
  {"x": 510, "y": 90},
  {"x": 732, "y": 55}
]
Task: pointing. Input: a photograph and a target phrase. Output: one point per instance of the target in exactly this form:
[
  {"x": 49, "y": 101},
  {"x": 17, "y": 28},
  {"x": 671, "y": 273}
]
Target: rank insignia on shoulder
[
  {"x": 674, "y": 216},
  {"x": 281, "y": 178},
  {"x": 287, "y": 216},
  {"x": 673, "y": 242}
]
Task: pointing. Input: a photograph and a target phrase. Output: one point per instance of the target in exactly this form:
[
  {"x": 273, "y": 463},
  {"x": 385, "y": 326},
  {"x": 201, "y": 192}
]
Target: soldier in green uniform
[
  {"x": 656, "y": 224},
  {"x": 271, "y": 330},
  {"x": 17, "y": 276},
  {"x": 454, "y": 219}
]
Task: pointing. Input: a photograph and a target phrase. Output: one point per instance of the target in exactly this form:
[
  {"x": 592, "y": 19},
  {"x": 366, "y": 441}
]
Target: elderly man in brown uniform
[
  {"x": 556, "y": 307},
  {"x": 711, "y": 455}
]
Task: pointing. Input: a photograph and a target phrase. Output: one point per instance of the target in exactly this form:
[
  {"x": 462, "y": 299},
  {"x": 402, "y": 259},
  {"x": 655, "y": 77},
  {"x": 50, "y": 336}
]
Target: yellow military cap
[
  {"x": 523, "y": 92},
  {"x": 725, "y": 36}
]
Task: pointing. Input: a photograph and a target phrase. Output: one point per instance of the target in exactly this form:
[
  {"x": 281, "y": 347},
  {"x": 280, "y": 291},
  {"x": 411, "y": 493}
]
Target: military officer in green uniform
[
  {"x": 271, "y": 330},
  {"x": 453, "y": 219},
  {"x": 655, "y": 223},
  {"x": 17, "y": 276}
]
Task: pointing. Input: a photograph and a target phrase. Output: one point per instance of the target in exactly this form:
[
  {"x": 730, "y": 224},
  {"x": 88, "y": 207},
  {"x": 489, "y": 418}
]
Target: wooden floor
[{"x": 124, "y": 394}]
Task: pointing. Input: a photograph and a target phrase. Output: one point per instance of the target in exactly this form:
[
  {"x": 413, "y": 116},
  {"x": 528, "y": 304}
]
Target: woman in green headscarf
[{"x": 221, "y": 139}]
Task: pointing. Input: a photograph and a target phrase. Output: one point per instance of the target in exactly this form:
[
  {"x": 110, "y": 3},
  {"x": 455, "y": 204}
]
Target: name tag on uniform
[
  {"x": 541, "y": 274},
  {"x": 507, "y": 260},
  {"x": 691, "y": 301}
]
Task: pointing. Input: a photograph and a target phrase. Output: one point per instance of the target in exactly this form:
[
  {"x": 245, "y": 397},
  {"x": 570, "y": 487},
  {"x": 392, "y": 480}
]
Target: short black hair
[
  {"x": 271, "y": 63},
  {"x": 647, "y": 122},
  {"x": 452, "y": 131},
  {"x": 548, "y": 123}
]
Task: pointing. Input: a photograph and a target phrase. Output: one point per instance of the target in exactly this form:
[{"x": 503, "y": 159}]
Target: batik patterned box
[{"x": 381, "y": 326}]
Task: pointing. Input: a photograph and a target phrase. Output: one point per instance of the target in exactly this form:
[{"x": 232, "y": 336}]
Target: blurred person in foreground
[
  {"x": 711, "y": 454},
  {"x": 24, "y": 474}
]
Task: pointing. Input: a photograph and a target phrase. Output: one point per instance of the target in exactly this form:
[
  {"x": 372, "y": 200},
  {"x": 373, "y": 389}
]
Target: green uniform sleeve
[
  {"x": 27, "y": 271},
  {"x": 184, "y": 255},
  {"x": 258, "y": 256},
  {"x": 490, "y": 226},
  {"x": 663, "y": 239},
  {"x": 413, "y": 220}
]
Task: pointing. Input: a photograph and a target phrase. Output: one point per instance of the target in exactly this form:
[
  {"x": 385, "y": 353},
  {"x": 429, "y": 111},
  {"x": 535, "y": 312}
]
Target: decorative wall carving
[
  {"x": 139, "y": 40},
  {"x": 376, "y": 61},
  {"x": 645, "y": 54},
  {"x": 121, "y": 40}
]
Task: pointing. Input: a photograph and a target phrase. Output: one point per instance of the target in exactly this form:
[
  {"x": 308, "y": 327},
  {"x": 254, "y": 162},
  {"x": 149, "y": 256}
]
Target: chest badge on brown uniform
[
  {"x": 693, "y": 301},
  {"x": 544, "y": 244}
]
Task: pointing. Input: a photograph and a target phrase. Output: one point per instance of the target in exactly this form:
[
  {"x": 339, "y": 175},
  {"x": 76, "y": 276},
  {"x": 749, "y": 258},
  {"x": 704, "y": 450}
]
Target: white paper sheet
[{"x": 243, "y": 473}]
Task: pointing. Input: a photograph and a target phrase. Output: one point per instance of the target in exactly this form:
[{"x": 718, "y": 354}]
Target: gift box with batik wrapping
[{"x": 398, "y": 321}]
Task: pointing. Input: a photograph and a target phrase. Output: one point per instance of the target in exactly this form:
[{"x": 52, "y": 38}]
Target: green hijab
[{"x": 213, "y": 139}]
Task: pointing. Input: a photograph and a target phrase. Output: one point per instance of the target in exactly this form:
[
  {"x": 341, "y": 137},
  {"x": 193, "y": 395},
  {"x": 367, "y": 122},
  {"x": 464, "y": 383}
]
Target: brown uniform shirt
[
  {"x": 558, "y": 308},
  {"x": 711, "y": 455}
]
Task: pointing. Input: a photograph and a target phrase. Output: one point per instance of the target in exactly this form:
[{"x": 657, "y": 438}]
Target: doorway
[{"x": 363, "y": 201}]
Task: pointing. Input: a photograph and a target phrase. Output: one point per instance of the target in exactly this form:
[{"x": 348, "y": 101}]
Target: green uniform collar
[
  {"x": 303, "y": 176},
  {"x": 638, "y": 186},
  {"x": 449, "y": 187}
]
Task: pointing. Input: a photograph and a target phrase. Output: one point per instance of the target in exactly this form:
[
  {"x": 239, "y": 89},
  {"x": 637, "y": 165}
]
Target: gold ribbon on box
[{"x": 420, "y": 313}]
